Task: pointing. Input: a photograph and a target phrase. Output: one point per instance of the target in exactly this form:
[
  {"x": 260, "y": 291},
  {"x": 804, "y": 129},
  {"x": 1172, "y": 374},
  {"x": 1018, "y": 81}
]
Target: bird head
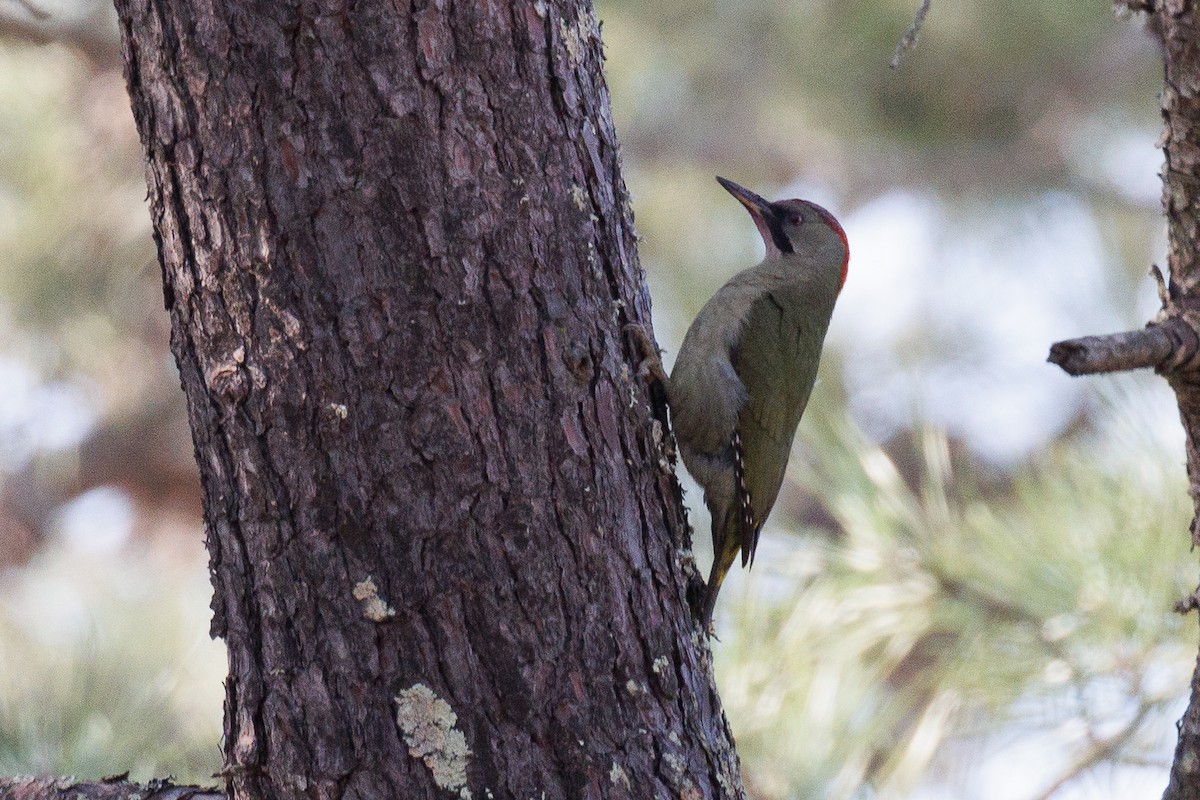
[{"x": 793, "y": 226}]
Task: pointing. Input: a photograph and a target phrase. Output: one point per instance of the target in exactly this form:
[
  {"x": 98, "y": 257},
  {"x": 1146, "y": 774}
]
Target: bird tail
[
  {"x": 727, "y": 541},
  {"x": 733, "y": 530}
]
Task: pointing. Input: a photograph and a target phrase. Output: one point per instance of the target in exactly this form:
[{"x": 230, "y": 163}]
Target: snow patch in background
[
  {"x": 38, "y": 416},
  {"x": 951, "y": 324},
  {"x": 97, "y": 521}
]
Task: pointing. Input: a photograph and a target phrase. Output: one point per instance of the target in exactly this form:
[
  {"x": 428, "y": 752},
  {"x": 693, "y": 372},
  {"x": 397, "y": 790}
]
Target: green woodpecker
[{"x": 746, "y": 368}]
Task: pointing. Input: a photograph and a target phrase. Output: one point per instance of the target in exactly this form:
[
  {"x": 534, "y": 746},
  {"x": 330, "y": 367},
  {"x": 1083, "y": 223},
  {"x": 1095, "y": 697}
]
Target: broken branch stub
[{"x": 1169, "y": 347}]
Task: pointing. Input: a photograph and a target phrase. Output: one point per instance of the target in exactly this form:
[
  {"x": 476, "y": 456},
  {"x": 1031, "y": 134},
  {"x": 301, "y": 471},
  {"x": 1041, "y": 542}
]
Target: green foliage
[
  {"x": 77, "y": 272},
  {"x": 765, "y": 82},
  {"x": 939, "y": 616},
  {"x": 105, "y": 666}
]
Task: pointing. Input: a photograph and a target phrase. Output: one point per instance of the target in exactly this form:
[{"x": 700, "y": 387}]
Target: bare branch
[
  {"x": 1133, "y": 6},
  {"x": 1165, "y": 347},
  {"x": 34, "y": 11},
  {"x": 1101, "y": 749},
  {"x": 114, "y": 788},
  {"x": 91, "y": 35},
  {"x": 909, "y": 39}
]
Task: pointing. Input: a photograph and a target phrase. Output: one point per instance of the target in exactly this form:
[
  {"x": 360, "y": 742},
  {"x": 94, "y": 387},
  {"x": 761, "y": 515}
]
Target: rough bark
[
  {"x": 1180, "y": 30},
  {"x": 1156, "y": 346},
  {"x": 114, "y": 788},
  {"x": 1170, "y": 344},
  {"x": 397, "y": 251}
]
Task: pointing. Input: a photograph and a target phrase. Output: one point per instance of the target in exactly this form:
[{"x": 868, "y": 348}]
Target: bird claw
[{"x": 650, "y": 365}]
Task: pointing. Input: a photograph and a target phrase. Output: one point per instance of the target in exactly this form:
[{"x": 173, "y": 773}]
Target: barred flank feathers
[{"x": 747, "y": 527}]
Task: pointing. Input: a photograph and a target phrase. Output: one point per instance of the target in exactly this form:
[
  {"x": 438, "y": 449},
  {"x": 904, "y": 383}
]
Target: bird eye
[{"x": 795, "y": 219}]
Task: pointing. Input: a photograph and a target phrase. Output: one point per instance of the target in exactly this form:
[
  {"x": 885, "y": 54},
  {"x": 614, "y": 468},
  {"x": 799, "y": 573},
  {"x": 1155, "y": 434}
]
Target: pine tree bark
[{"x": 449, "y": 558}]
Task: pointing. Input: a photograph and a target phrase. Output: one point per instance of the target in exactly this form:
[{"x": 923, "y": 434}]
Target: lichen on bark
[{"x": 428, "y": 724}]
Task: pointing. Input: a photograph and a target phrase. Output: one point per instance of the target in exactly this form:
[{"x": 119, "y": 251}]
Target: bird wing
[
  {"x": 776, "y": 358},
  {"x": 706, "y": 394}
]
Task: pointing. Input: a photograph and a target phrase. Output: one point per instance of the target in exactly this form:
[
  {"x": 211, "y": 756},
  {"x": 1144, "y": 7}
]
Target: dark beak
[
  {"x": 765, "y": 216},
  {"x": 759, "y": 208}
]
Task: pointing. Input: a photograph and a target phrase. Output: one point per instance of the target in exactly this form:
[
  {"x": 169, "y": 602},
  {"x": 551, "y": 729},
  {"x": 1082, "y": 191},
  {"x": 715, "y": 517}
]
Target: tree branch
[
  {"x": 909, "y": 39},
  {"x": 92, "y": 35},
  {"x": 115, "y": 788},
  {"x": 33, "y": 10},
  {"x": 1101, "y": 750},
  {"x": 1116, "y": 352}
]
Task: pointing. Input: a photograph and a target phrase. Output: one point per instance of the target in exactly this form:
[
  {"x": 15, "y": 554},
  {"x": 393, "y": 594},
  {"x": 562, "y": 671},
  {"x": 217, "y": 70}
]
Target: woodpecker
[{"x": 746, "y": 369}]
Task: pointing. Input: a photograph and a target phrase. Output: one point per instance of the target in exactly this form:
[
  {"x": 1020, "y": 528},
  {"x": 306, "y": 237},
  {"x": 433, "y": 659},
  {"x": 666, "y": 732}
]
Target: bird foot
[{"x": 651, "y": 362}]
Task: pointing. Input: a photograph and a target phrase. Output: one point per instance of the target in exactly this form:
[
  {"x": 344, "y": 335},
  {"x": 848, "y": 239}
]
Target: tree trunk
[
  {"x": 449, "y": 558},
  {"x": 1181, "y": 198},
  {"x": 1171, "y": 344}
]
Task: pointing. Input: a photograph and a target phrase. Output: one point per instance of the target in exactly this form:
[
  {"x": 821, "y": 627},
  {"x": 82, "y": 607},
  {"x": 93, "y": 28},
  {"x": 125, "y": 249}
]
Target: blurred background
[{"x": 965, "y": 590}]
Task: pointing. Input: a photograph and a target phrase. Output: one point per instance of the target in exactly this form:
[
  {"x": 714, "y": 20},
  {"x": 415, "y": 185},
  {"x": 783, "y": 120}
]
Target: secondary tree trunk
[
  {"x": 1181, "y": 197},
  {"x": 1171, "y": 344},
  {"x": 398, "y": 255}
]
